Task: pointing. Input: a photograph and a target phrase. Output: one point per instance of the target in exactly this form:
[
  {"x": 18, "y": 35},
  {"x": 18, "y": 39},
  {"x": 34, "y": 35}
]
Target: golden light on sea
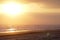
[{"x": 11, "y": 30}]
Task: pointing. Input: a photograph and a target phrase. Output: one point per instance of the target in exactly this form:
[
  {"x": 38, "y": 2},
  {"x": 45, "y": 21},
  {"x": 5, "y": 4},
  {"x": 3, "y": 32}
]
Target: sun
[{"x": 13, "y": 8}]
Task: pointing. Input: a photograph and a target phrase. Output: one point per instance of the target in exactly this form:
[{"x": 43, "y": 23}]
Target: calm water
[
  {"x": 55, "y": 35},
  {"x": 49, "y": 35}
]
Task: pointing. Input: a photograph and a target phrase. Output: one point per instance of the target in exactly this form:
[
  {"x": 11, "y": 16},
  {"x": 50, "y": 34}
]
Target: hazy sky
[{"x": 39, "y": 12}]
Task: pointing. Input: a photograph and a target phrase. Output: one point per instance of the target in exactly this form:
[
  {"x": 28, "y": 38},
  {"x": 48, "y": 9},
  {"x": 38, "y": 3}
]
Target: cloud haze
[{"x": 46, "y": 12}]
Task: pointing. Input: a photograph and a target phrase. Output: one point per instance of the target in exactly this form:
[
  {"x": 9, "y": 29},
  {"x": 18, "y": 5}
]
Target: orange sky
[{"x": 36, "y": 14}]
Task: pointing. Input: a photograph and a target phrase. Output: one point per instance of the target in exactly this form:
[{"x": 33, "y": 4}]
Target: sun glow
[{"x": 13, "y": 8}]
